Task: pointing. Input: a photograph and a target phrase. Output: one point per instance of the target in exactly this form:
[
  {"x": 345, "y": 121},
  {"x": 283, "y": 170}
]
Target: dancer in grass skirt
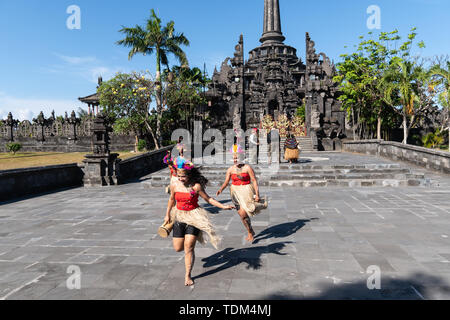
[
  {"x": 244, "y": 190},
  {"x": 191, "y": 222}
]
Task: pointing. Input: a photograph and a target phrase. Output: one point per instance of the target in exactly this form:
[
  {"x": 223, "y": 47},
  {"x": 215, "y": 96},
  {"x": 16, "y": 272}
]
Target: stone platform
[
  {"x": 312, "y": 243},
  {"x": 315, "y": 170}
]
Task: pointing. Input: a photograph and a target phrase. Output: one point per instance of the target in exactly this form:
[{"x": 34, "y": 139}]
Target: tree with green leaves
[
  {"x": 405, "y": 83},
  {"x": 441, "y": 79},
  {"x": 185, "y": 92},
  {"x": 13, "y": 147},
  {"x": 162, "y": 41},
  {"x": 126, "y": 101},
  {"x": 362, "y": 76}
]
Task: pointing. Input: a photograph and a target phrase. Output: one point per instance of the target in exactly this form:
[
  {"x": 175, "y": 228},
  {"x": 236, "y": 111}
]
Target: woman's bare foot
[
  {"x": 251, "y": 237},
  {"x": 189, "y": 282}
]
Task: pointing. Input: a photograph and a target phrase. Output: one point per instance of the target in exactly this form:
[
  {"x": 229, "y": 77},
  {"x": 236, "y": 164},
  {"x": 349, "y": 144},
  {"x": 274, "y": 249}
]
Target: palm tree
[
  {"x": 401, "y": 88},
  {"x": 153, "y": 38},
  {"x": 443, "y": 76}
]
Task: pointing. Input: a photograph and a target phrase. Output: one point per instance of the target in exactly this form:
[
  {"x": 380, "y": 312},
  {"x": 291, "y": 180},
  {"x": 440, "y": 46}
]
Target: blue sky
[{"x": 45, "y": 66}]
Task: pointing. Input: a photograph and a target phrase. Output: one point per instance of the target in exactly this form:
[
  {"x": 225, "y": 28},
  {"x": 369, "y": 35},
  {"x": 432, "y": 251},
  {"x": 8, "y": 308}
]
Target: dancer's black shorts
[{"x": 182, "y": 229}]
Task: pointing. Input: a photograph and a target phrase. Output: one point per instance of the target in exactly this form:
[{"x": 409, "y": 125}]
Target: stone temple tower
[{"x": 275, "y": 81}]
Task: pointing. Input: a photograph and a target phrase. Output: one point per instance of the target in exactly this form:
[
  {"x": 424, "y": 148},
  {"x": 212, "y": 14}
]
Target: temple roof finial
[{"x": 272, "y": 23}]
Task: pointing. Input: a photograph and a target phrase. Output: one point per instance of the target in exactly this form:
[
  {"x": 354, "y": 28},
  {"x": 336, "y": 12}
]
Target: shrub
[
  {"x": 13, "y": 147},
  {"x": 142, "y": 145},
  {"x": 301, "y": 112},
  {"x": 433, "y": 140}
]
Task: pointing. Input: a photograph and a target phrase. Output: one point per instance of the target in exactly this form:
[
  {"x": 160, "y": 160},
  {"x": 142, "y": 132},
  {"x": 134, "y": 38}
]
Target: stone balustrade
[{"x": 428, "y": 158}]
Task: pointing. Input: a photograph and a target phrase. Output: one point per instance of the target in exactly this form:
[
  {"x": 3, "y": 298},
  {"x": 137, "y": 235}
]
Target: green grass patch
[{"x": 8, "y": 161}]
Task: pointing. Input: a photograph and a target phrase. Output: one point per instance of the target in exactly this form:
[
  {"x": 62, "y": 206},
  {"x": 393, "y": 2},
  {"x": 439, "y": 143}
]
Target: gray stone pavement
[{"x": 312, "y": 243}]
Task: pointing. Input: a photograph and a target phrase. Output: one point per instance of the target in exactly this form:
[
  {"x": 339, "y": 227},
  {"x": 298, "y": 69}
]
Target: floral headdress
[
  {"x": 168, "y": 159},
  {"x": 181, "y": 163},
  {"x": 236, "y": 149}
]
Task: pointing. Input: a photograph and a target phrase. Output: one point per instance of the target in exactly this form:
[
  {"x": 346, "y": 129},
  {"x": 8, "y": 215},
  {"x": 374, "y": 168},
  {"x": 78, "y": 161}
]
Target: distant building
[{"x": 93, "y": 100}]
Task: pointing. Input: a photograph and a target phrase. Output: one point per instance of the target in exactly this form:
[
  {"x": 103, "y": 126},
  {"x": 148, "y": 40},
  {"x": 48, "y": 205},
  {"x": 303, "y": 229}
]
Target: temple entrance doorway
[{"x": 273, "y": 108}]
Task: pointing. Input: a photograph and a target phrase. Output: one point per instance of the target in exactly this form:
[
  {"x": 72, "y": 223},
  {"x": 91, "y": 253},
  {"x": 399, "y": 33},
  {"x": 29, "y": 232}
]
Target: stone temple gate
[{"x": 274, "y": 81}]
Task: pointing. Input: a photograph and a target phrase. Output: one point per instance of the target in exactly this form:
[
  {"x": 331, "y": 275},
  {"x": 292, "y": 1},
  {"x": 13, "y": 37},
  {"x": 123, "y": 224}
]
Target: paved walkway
[{"x": 314, "y": 243}]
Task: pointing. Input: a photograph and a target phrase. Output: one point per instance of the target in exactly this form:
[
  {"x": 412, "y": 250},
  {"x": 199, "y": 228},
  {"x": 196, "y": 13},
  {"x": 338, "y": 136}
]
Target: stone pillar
[
  {"x": 282, "y": 143},
  {"x": 10, "y": 124},
  {"x": 41, "y": 121},
  {"x": 274, "y": 147},
  {"x": 101, "y": 168},
  {"x": 263, "y": 147},
  {"x": 73, "y": 121}
]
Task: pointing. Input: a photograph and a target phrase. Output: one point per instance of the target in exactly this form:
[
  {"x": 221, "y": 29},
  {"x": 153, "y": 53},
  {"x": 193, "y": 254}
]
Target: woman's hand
[
  {"x": 257, "y": 198},
  {"x": 229, "y": 207},
  {"x": 219, "y": 192},
  {"x": 167, "y": 220}
]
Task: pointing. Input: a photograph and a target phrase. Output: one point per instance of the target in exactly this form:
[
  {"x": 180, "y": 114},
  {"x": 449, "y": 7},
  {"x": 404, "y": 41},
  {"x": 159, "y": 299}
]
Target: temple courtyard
[{"x": 328, "y": 242}]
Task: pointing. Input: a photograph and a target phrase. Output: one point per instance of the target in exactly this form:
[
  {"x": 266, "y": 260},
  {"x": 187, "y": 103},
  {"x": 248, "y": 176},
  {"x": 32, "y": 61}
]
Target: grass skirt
[
  {"x": 291, "y": 154},
  {"x": 244, "y": 197},
  {"x": 198, "y": 218},
  {"x": 172, "y": 181}
]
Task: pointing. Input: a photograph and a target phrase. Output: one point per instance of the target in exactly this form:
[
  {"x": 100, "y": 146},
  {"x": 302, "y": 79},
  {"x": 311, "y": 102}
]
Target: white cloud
[
  {"x": 88, "y": 68},
  {"x": 76, "y": 60},
  {"x": 29, "y": 108}
]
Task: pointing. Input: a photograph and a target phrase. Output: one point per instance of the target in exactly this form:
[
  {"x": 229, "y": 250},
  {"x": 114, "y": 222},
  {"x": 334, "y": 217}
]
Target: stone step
[
  {"x": 310, "y": 175},
  {"x": 291, "y": 167},
  {"x": 306, "y": 144},
  {"x": 328, "y": 171},
  {"x": 351, "y": 183},
  {"x": 342, "y": 174},
  {"x": 396, "y": 174},
  {"x": 158, "y": 180},
  {"x": 322, "y": 183},
  {"x": 264, "y": 180}
]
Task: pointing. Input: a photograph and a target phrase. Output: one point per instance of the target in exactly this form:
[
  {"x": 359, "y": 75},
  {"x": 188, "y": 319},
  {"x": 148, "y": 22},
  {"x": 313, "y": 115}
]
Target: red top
[
  {"x": 186, "y": 201},
  {"x": 242, "y": 181}
]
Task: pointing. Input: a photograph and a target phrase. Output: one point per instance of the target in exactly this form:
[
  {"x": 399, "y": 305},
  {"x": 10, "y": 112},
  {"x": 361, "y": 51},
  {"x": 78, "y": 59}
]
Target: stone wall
[
  {"x": 63, "y": 144},
  {"x": 424, "y": 157},
  {"x": 22, "y": 182},
  {"x": 143, "y": 165},
  {"x": 56, "y": 134}
]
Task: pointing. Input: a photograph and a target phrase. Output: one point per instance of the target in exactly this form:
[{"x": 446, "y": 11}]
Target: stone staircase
[
  {"x": 311, "y": 175},
  {"x": 305, "y": 144}
]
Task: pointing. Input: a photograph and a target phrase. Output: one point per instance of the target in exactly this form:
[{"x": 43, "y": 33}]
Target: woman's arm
[
  {"x": 210, "y": 200},
  {"x": 251, "y": 172},
  {"x": 226, "y": 183},
  {"x": 170, "y": 205}
]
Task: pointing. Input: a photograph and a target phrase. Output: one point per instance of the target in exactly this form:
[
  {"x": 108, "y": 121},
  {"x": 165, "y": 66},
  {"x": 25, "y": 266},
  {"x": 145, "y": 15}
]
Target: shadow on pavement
[
  {"x": 214, "y": 210},
  {"x": 282, "y": 230},
  {"x": 418, "y": 286},
  {"x": 231, "y": 257}
]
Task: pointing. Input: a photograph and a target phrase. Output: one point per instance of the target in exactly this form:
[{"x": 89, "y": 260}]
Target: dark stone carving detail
[
  {"x": 276, "y": 82},
  {"x": 55, "y": 134}
]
